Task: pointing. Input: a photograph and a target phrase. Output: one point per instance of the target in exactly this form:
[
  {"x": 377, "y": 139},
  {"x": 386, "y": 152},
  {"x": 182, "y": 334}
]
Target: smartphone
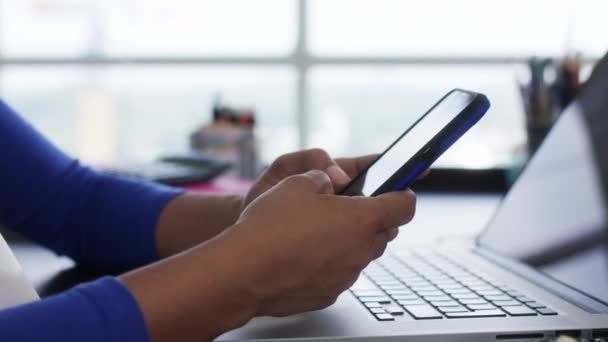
[{"x": 421, "y": 144}]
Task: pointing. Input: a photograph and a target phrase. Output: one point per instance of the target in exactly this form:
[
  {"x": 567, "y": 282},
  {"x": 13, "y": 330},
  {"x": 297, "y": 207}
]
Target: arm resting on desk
[{"x": 100, "y": 311}]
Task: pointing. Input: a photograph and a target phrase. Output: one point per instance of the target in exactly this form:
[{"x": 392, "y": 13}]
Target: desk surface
[{"x": 438, "y": 216}]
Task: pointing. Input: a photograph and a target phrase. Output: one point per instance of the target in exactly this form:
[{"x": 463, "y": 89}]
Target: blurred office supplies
[
  {"x": 188, "y": 168},
  {"x": 230, "y": 136},
  {"x": 551, "y": 87}
]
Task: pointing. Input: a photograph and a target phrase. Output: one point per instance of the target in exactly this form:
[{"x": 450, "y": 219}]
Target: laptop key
[
  {"x": 499, "y": 297},
  {"x": 415, "y": 283},
  {"x": 385, "y": 317},
  {"x": 546, "y": 311},
  {"x": 489, "y": 293},
  {"x": 465, "y": 295},
  {"x": 405, "y": 297},
  {"x": 411, "y": 302},
  {"x": 427, "y": 290},
  {"x": 445, "y": 309},
  {"x": 519, "y": 311},
  {"x": 430, "y": 293},
  {"x": 423, "y": 312},
  {"x": 506, "y": 303},
  {"x": 377, "y": 299},
  {"x": 473, "y": 301},
  {"x": 389, "y": 283},
  {"x": 377, "y": 310},
  {"x": 451, "y": 287},
  {"x": 399, "y": 292},
  {"x": 445, "y": 303},
  {"x": 535, "y": 305},
  {"x": 373, "y": 305},
  {"x": 524, "y": 299},
  {"x": 367, "y": 293},
  {"x": 513, "y": 293},
  {"x": 446, "y": 282},
  {"x": 436, "y": 298},
  {"x": 395, "y": 310},
  {"x": 475, "y": 314},
  {"x": 481, "y": 307},
  {"x": 478, "y": 285},
  {"x": 462, "y": 291},
  {"x": 364, "y": 283}
]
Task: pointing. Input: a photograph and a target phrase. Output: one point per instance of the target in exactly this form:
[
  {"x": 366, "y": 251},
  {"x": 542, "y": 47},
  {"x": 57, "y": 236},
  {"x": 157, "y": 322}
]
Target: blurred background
[{"x": 119, "y": 80}]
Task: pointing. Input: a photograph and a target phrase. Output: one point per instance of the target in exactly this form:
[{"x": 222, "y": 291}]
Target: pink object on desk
[{"x": 222, "y": 184}]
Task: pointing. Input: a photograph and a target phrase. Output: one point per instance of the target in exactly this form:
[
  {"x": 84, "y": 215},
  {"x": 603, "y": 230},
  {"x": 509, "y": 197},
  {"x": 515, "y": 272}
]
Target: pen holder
[{"x": 535, "y": 133}]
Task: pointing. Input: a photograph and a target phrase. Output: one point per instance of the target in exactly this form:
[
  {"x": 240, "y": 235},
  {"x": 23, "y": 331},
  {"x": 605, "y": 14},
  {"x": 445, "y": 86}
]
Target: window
[
  {"x": 105, "y": 113},
  {"x": 464, "y": 28},
  {"x": 44, "y": 28},
  {"x": 119, "y": 79},
  {"x": 195, "y": 28},
  {"x": 358, "y": 109}
]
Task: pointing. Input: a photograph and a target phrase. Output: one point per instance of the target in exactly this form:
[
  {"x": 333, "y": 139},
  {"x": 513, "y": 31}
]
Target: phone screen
[{"x": 409, "y": 144}]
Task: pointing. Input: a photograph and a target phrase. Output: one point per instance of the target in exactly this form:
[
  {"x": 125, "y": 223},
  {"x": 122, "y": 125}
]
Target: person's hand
[
  {"x": 340, "y": 171},
  {"x": 300, "y": 246},
  {"x": 179, "y": 225}
]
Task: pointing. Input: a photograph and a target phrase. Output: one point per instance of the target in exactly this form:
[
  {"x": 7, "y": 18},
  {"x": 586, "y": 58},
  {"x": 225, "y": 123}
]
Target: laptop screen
[{"x": 554, "y": 218}]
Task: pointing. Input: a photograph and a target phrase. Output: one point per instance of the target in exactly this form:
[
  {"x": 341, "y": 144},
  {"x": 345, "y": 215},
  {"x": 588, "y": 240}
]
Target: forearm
[
  {"x": 98, "y": 311},
  {"x": 192, "y": 218},
  {"x": 195, "y": 295},
  {"x": 74, "y": 210}
]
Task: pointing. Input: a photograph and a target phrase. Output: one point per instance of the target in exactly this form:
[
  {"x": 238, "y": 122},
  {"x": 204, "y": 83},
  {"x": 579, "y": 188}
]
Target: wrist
[
  {"x": 196, "y": 295},
  {"x": 226, "y": 283},
  {"x": 193, "y": 218}
]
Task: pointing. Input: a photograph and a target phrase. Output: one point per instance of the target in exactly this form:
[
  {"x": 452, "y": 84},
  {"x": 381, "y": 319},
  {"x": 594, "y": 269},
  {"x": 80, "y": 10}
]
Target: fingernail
[{"x": 337, "y": 175}]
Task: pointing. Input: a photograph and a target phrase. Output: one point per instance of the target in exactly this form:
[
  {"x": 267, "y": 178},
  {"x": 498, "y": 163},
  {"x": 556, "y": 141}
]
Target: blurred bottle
[{"x": 230, "y": 136}]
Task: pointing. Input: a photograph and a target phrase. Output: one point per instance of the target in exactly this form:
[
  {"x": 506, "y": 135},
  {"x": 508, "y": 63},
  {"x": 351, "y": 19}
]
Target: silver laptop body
[{"x": 540, "y": 268}]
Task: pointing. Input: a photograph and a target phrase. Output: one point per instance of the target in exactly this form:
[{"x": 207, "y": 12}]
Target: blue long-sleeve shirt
[{"x": 94, "y": 218}]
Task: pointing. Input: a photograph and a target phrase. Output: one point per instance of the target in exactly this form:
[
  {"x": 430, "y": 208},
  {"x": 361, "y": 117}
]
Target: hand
[
  {"x": 194, "y": 218},
  {"x": 179, "y": 226},
  {"x": 300, "y": 246},
  {"x": 340, "y": 171}
]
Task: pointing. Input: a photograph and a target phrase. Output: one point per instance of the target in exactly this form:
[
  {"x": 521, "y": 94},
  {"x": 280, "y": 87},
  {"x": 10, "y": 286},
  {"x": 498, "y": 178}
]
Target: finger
[
  {"x": 424, "y": 174},
  {"x": 312, "y": 181},
  {"x": 389, "y": 210},
  {"x": 392, "y": 233},
  {"x": 354, "y": 166},
  {"x": 380, "y": 244},
  {"x": 302, "y": 161},
  {"x": 338, "y": 177}
]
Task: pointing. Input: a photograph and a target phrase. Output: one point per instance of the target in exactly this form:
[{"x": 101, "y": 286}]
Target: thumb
[
  {"x": 311, "y": 181},
  {"x": 389, "y": 210}
]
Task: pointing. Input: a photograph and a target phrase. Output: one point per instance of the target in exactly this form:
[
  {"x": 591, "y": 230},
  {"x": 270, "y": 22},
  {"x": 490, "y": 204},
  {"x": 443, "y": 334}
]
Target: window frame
[{"x": 300, "y": 59}]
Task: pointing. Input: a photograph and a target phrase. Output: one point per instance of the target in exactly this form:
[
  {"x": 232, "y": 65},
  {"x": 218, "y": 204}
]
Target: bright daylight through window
[{"x": 345, "y": 75}]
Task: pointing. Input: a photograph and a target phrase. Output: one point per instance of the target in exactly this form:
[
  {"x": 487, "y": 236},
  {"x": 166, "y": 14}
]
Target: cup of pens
[{"x": 547, "y": 91}]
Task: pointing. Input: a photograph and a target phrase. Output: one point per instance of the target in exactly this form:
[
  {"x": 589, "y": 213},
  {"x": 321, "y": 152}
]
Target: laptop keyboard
[{"x": 432, "y": 286}]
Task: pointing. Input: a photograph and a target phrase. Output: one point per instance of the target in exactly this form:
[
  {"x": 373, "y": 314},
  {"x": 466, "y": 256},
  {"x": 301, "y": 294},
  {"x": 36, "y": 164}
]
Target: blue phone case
[{"x": 437, "y": 145}]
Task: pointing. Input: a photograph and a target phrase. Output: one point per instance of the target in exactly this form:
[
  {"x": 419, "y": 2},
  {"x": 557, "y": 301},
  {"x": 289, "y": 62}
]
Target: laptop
[
  {"x": 538, "y": 270},
  {"x": 15, "y": 288}
]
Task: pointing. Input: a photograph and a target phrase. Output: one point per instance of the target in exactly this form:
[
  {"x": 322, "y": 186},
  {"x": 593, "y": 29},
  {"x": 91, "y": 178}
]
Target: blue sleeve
[
  {"x": 103, "y": 310},
  {"x": 94, "y": 218}
]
